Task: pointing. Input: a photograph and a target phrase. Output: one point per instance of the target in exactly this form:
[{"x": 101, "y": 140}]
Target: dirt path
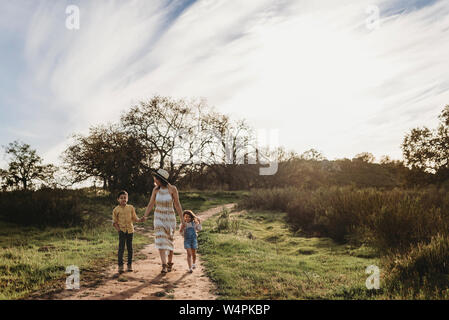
[{"x": 147, "y": 283}]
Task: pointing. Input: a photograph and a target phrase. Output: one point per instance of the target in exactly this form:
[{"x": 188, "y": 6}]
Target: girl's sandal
[
  {"x": 169, "y": 266},
  {"x": 164, "y": 269}
]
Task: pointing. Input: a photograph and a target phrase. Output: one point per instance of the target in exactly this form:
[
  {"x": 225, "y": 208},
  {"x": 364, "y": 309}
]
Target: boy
[{"x": 123, "y": 217}]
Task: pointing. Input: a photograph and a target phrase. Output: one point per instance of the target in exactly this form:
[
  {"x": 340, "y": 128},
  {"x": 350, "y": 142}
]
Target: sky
[{"x": 330, "y": 75}]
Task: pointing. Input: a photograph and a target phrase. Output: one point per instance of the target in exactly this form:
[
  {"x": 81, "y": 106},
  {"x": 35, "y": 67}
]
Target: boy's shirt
[{"x": 124, "y": 217}]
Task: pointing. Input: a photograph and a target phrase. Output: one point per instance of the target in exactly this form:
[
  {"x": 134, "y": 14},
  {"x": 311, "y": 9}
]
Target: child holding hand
[
  {"x": 188, "y": 230},
  {"x": 123, "y": 217}
]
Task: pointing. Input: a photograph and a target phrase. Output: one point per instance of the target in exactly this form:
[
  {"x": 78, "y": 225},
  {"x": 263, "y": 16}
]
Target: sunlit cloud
[{"x": 312, "y": 69}]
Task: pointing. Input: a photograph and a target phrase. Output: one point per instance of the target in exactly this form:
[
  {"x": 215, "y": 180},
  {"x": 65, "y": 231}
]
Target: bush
[
  {"x": 421, "y": 272},
  {"x": 225, "y": 223},
  {"x": 46, "y": 207},
  {"x": 269, "y": 199},
  {"x": 389, "y": 220},
  {"x": 409, "y": 228}
]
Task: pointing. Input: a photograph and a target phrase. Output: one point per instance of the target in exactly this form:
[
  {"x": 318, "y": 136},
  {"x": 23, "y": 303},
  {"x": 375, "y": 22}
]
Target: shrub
[
  {"x": 389, "y": 220},
  {"x": 422, "y": 271},
  {"x": 223, "y": 222},
  {"x": 46, "y": 207}
]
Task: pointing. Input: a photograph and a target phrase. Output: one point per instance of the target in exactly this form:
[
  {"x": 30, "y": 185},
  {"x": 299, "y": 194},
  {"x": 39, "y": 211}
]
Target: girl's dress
[
  {"x": 164, "y": 220},
  {"x": 190, "y": 237}
]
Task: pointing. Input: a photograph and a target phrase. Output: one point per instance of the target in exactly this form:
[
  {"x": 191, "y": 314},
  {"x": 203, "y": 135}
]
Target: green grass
[
  {"x": 203, "y": 200},
  {"x": 33, "y": 261},
  {"x": 263, "y": 259}
]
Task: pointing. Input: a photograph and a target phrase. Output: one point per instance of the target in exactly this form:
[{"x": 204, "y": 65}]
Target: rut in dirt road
[{"x": 147, "y": 283}]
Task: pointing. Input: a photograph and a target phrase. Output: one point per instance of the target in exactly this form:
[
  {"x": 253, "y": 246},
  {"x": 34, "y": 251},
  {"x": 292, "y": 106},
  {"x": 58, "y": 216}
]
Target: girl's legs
[
  {"x": 189, "y": 258},
  {"x": 193, "y": 255}
]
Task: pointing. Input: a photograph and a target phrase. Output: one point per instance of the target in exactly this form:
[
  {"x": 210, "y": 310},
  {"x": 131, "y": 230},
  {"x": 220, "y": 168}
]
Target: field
[
  {"x": 33, "y": 260},
  {"x": 317, "y": 247},
  {"x": 258, "y": 257}
]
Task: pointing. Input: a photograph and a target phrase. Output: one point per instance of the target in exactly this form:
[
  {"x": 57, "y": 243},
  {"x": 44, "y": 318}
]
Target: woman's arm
[
  {"x": 176, "y": 203},
  {"x": 181, "y": 230},
  {"x": 151, "y": 203}
]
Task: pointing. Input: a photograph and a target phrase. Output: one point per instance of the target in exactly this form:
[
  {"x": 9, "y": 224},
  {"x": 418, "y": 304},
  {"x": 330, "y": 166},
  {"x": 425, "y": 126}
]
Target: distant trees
[
  {"x": 183, "y": 137},
  {"x": 365, "y": 157},
  {"x": 313, "y": 154},
  {"x": 202, "y": 148},
  {"x": 427, "y": 150},
  {"x": 25, "y": 168},
  {"x": 111, "y": 155}
]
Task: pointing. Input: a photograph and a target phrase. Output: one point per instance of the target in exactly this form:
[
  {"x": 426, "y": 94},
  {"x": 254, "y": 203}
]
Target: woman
[{"x": 164, "y": 196}]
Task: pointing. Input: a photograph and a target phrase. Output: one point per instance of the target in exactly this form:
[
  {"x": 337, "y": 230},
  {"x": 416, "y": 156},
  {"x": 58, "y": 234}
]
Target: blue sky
[{"x": 312, "y": 69}]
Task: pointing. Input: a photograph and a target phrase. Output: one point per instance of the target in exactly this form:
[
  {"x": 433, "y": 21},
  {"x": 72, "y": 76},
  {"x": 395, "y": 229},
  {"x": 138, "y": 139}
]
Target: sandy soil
[{"x": 147, "y": 283}]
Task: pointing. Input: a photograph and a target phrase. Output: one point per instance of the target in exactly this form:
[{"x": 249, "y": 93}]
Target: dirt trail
[{"x": 147, "y": 283}]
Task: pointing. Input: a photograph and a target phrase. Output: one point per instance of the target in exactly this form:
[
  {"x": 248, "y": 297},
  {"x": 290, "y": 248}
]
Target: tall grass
[
  {"x": 389, "y": 220},
  {"x": 47, "y": 207},
  {"x": 422, "y": 272},
  {"x": 411, "y": 225}
]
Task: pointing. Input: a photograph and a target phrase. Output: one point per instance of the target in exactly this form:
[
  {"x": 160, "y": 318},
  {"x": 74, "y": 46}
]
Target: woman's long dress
[{"x": 164, "y": 220}]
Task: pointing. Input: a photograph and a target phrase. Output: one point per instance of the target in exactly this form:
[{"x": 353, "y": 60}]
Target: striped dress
[{"x": 164, "y": 220}]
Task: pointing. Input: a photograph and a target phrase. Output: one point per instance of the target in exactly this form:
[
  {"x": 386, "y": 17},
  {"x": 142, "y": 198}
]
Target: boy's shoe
[
  {"x": 130, "y": 268},
  {"x": 190, "y": 270},
  {"x": 169, "y": 266},
  {"x": 164, "y": 269},
  {"x": 120, "y": 269},
  {"x": 193, "y": 266}
]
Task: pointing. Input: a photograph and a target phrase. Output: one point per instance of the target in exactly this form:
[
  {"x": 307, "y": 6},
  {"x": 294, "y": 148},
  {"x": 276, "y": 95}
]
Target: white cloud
[{"x": 314, "y": 71}]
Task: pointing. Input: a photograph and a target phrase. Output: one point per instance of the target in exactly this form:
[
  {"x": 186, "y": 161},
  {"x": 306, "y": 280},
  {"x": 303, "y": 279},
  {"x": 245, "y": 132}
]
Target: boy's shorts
[{"x": 190, "y": 243}]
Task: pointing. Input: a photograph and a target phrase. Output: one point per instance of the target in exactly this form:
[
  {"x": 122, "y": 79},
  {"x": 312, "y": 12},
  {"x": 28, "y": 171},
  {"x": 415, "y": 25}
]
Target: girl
[{"x": 191, "y": 225}]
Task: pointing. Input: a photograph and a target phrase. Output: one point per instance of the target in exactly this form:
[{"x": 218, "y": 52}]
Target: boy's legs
[
  {"x": 121, "y": 247},
  {"x": 129, "y": 246}
]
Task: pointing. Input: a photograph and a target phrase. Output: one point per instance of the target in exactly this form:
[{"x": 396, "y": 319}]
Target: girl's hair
[
  {"x": 192, "y": 215},
  {"x": 163, "y": 183}
]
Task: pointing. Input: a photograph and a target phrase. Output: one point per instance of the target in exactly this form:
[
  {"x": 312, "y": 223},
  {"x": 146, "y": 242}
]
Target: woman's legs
[
  {"x": 170, "y": 256},
  {"x": 162, "y": 253}
]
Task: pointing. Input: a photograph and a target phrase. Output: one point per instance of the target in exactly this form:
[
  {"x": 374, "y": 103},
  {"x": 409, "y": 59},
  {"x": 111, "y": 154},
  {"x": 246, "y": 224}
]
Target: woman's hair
[
  {"x": 121, "y": 192},
  {"x": 163, "y": 182},
  {"x": 192, "y": 215}
]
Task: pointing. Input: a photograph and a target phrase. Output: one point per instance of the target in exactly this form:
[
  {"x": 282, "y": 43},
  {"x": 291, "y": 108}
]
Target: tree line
[{"x": 204, "y": 149}]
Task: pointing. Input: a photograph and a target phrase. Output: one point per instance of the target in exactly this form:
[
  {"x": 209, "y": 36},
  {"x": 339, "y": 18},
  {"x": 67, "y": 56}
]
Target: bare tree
[{"x": 171, "y": 130}]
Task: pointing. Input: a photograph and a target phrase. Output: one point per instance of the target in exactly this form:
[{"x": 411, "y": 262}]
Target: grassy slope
[
  {"x": 32, "y": 258},
  {"x": 24, "y": 269},
  {"x": 276, "y": 264}
]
